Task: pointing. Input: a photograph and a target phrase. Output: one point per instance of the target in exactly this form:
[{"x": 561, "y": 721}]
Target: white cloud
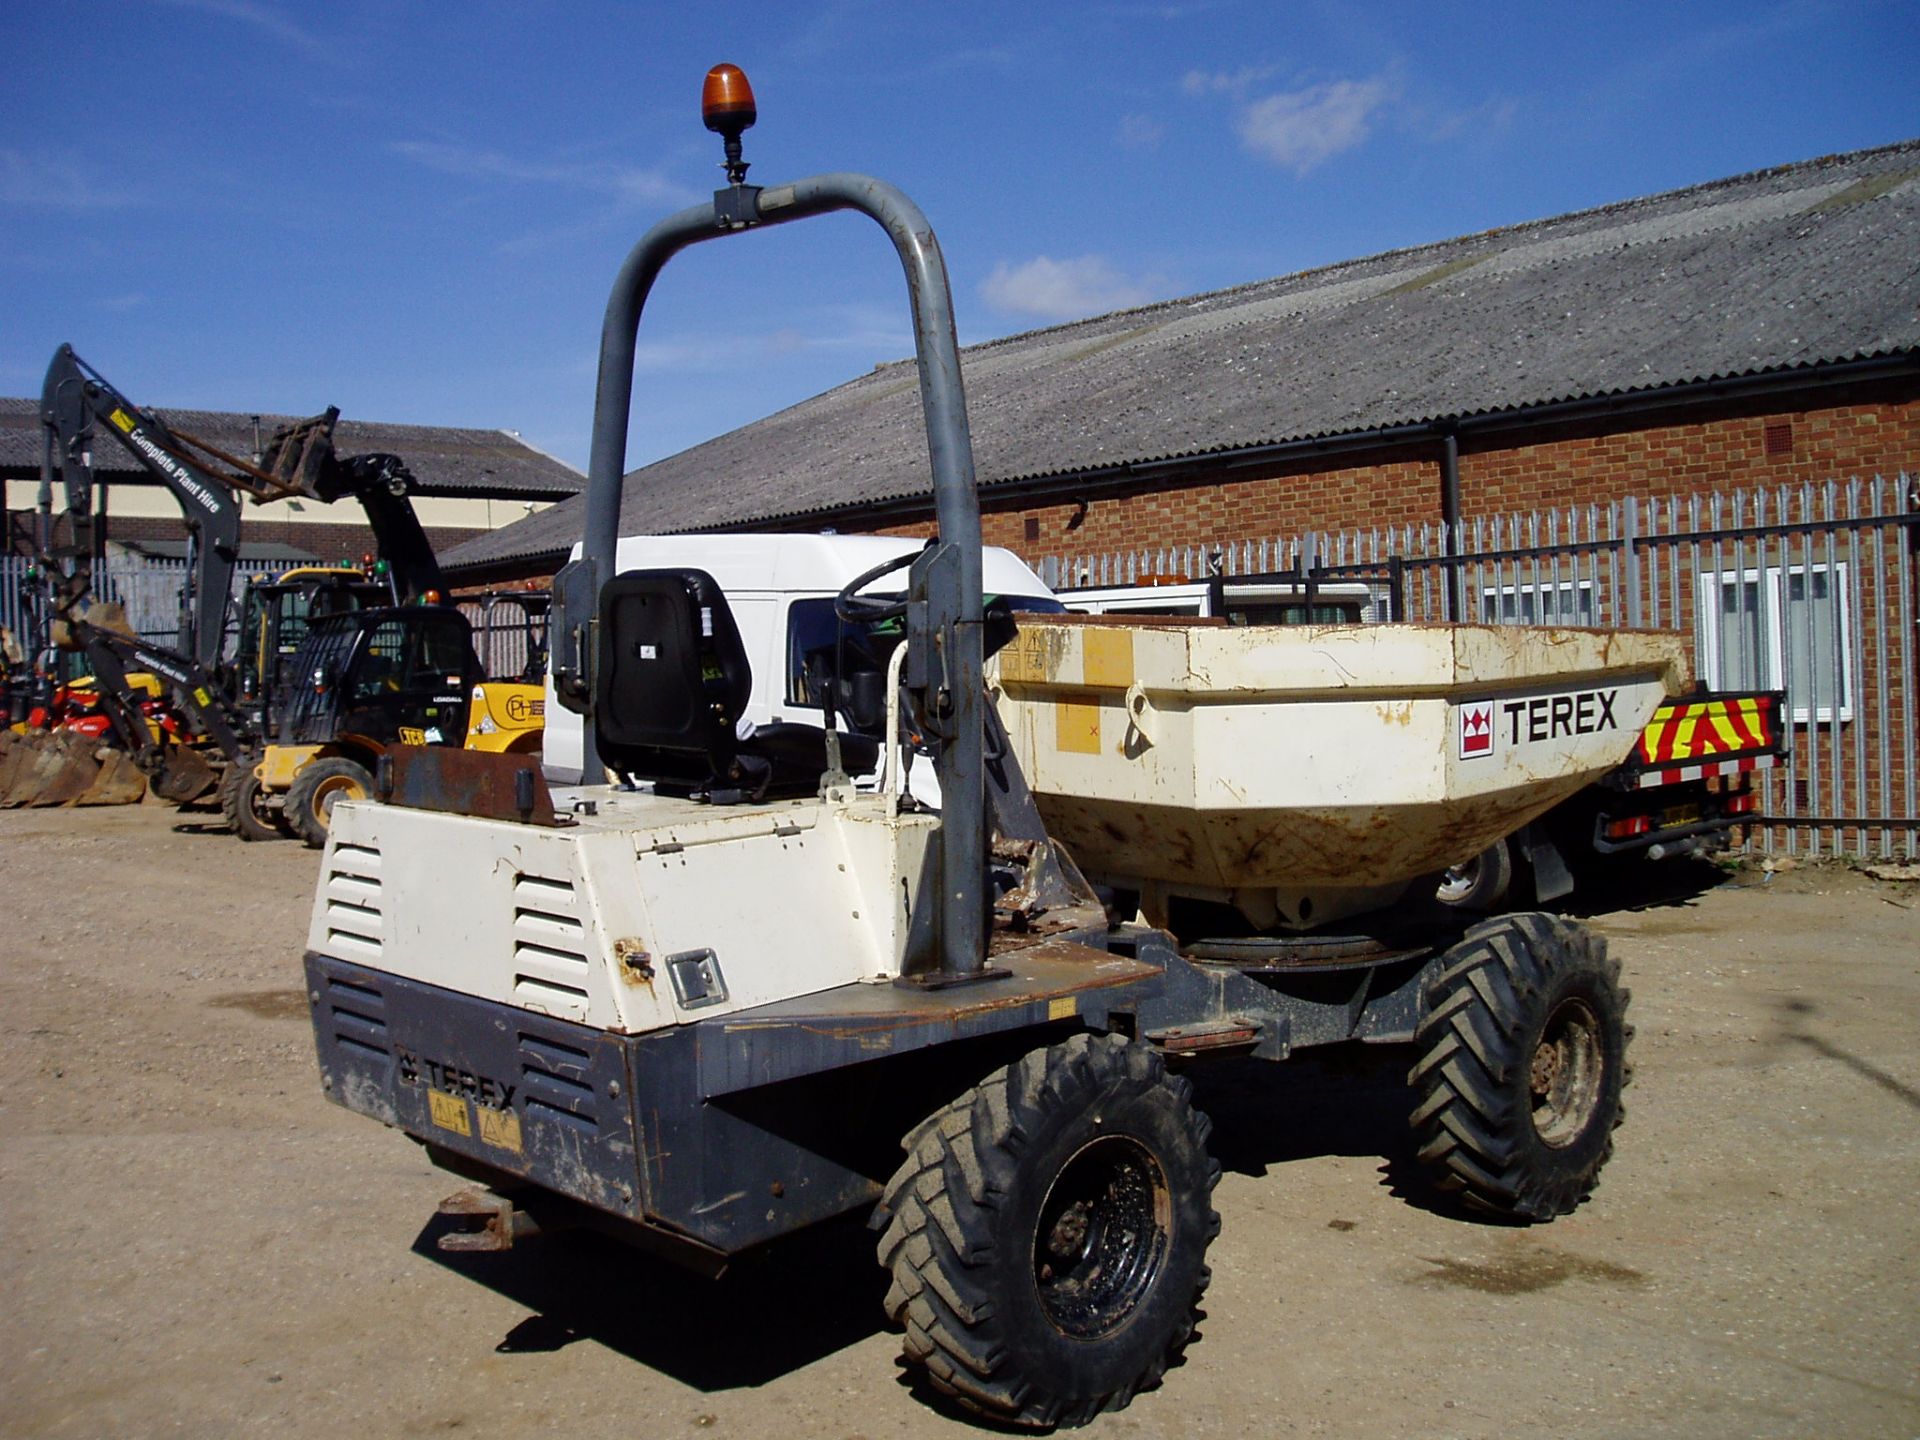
[
  {"x": 1065, "y": 289},
  {"x": 626, "y": 184},
  {"x": 1224, "y": 82},
  {"x": 262, "y": 17},
  {"x": 1300, "y": 129},
  {"x": 26, "y": 180},
  {"x": 832, "y": 329},
  {"x": 1141, "y": 132}
]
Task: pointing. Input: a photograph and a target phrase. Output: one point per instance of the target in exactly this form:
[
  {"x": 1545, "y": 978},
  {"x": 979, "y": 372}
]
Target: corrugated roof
[
  {"x": 446, "y": 461},
  {"x": 1804, "y": 265}
]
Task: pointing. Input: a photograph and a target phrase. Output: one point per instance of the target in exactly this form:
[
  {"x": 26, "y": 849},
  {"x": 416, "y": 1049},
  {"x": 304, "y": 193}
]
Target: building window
[
  {"x": 1778, "y": 629},
  {"x": 1568, "y": 603}
]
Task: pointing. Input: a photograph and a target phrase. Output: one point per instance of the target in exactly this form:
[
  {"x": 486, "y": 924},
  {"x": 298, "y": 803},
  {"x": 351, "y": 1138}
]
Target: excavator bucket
[
  {"x": 54, "y": 768},
  {"x": 118, "y": 783},
  {"x": 185, "y": 776},
  {"x": 14, "y": 750},
  {"x": 64, "y": 767}
]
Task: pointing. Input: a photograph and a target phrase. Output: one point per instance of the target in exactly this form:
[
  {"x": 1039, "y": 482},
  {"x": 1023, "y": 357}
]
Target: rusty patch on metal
[
  {"x": 634, "y": 962},
  {"x": 471, "y": 782}
]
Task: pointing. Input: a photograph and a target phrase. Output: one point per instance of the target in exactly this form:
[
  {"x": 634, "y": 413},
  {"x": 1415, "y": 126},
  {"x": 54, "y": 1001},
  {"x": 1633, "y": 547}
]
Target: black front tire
[
  {"x": 319, "y": 783},
  {"x": 1523, "y": 1057},
  {"x": 244, "y": 803},
  {"x": 1047, "y": 1234}
]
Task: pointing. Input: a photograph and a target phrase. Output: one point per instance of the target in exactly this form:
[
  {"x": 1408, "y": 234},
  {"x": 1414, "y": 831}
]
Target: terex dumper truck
[{"x": 733, "y": 995}]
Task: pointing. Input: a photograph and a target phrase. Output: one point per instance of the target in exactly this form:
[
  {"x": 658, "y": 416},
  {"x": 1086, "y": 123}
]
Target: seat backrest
[{"x": 671, "y": 677}]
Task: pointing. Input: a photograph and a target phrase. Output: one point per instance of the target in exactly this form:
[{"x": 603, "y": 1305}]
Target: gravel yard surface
[{"x": 198, "y": 1244}]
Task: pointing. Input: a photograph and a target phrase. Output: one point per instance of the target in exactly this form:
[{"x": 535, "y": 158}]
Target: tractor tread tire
[
  {"x": 961, "y": 1218},
  {"x": 1496, "y": 994},
  {"x": 239, "y": 797},
  {"x": 304, "y": 799}
]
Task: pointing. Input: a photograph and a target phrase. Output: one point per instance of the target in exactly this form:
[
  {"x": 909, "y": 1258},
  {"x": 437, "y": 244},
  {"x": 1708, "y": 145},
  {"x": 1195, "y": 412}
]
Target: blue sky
[{"x": 414, "y": 211}]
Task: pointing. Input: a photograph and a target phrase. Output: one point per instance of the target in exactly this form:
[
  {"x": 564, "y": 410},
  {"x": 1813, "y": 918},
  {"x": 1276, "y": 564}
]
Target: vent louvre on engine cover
[
  {"x": 550, "y": 964},
  {"x": 353, "y": 910}
]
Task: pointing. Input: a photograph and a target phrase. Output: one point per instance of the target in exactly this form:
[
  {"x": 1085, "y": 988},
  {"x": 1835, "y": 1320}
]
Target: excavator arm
[
  {"x": 75, "y": 403},
  {"x": 302, "y": 456}
]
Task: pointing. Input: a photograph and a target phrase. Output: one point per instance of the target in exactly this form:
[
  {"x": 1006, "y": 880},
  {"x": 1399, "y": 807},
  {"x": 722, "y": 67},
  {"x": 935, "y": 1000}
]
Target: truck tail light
[
  {"x": 1739, "y": 804},
  {"x": 1628, "y": 828}
]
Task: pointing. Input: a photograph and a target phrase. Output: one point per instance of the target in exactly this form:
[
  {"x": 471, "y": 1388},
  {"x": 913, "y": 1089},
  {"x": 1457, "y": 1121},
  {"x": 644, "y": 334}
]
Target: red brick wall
[
  {"x": 1856, "y": 440},
  {"x": 1724, "y": 453}
]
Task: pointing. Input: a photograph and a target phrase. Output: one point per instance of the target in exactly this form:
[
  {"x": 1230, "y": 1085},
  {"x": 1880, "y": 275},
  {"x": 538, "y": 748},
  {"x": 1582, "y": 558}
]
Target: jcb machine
[
  {"x": 733, "y": 996},
  {"x": 365, "y": 679},
  {"x": 239, "y": 712}
]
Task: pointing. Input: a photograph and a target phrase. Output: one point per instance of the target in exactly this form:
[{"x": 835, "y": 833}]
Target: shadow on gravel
[
  {"x": 1342, "y": 1100},
  {"x": 773, "y": 1313},
  {"x": 1793, "y": 1024},
  {"x": 1632, "y": 882}
]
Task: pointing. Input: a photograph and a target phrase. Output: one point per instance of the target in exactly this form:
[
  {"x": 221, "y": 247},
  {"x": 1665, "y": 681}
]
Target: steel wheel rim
[
  {"x": 332, "y": 789},
  {"x": 1458, "y": 880},
  {"x": 1564, "y": 1075},
  {"x": 253, "y": 796},
  {"x": 1102, "y": 1237}
]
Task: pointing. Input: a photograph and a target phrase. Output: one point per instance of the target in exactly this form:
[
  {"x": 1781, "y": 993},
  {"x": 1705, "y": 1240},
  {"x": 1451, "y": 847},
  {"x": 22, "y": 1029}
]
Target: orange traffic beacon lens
[{"x": 726, "y": 101}]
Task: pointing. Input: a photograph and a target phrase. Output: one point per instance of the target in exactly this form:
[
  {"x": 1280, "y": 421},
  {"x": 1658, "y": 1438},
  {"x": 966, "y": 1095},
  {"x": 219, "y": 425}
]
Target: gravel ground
[{"x": 197, "y": 1244}]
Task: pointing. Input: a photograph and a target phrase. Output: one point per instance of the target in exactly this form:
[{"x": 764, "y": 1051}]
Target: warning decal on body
[{"x": 449, "y": 1112}]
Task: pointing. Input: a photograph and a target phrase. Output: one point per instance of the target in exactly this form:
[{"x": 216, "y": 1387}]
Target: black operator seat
[{"x": 671, "y": 681}]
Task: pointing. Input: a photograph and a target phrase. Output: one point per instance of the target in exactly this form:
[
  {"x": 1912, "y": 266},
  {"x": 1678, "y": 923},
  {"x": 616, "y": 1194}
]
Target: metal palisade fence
[
  {"x": 509, "y": 639},
  {"x": 149, "y": 588},
  {"x": 1808, "y": 589}
]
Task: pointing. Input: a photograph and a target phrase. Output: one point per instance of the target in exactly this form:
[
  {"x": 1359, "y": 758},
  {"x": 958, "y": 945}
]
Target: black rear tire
[
  {"x": 1047, "y": 1234},
  {"x": 1523, "y": 1057},
  {"x": 244, "y": 803},
  {"x": 317, "y": 786},
  {"x": 1479, "y": 884}
]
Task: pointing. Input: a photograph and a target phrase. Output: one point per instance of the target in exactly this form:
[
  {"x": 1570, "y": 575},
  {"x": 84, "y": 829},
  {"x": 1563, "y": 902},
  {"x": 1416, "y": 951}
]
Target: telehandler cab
[{"x": 702, "y": 1008}]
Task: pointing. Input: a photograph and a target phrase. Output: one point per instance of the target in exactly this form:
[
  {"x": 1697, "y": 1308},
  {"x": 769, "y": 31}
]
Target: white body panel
[
  {"x": 1304, "y": 772},
  {"x": 582, "y": 922},
  {"x": 763, "y": 575}
]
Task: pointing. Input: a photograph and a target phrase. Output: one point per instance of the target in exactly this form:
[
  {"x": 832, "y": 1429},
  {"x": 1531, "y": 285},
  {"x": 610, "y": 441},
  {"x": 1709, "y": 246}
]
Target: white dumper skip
[{"x": 1300, "y": 774}]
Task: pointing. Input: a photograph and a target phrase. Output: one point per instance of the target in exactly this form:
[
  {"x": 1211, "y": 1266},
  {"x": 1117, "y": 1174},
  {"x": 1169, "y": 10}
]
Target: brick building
[
  {"x": 1753, "y": 331},
  {"x": 1734, "y": 355}
]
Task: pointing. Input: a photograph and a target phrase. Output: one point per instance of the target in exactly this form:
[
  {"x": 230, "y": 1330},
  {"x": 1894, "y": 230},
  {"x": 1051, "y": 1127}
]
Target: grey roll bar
[{"x": 944, "y": 624}]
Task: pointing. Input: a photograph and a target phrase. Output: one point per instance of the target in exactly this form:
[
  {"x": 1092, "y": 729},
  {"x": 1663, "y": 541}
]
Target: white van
[
  {"x": 1242, "y": 600},
  {"x": 781, "y": 589}
]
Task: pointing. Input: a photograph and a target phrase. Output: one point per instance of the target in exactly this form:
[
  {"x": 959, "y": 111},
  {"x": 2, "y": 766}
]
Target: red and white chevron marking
[{"x": 1710, "y": 769}]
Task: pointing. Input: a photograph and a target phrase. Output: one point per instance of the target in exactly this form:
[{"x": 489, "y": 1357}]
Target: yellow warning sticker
[
  {"x": 121, "y": 419},
  {"x": 201, "y": 696},
  {"x": 1076, "y": 726},
  {"x": 1107, "y": 659},
  {"x": 1061, "y": 1009},
  {"x": 500, "y": 1128},
  {"x": 449, "y": 1112}
]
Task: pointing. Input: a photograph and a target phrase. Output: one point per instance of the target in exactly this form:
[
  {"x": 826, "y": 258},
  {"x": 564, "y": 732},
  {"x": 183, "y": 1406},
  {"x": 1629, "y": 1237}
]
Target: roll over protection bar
[{"x": 944, "y": 616}]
